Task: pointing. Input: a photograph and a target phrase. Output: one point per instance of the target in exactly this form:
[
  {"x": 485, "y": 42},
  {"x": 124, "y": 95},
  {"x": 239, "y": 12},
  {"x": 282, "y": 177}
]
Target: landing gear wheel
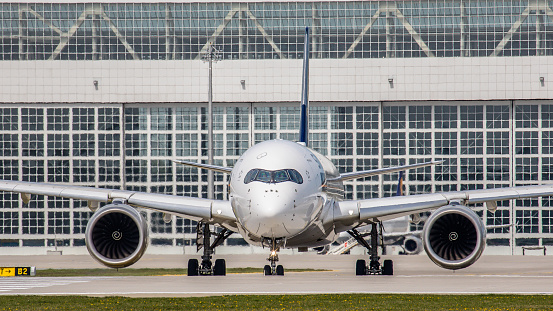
[
  {"x": 267, "y": 270},
  {"x": 193, "y": 267},
  {"x": 280, "y": 270},
  {"x": 388, "y": 267},
  {"x": 361, "y": 267},
  {"x": 220, "y": 267}
]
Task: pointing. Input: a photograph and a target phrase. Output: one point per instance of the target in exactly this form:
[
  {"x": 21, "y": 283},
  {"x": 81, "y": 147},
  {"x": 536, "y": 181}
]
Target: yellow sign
[
  {"x": 15, "y": 271},
  {"x": 7, "y": 271}
]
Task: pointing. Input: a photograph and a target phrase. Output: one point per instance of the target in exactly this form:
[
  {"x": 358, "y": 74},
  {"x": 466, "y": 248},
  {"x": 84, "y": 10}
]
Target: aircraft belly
[{"x": 313, "y": 236}]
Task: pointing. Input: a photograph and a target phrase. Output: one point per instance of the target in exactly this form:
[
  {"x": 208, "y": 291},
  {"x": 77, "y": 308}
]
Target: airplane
[
  {"x": 284, "y": 195},
  {"x": 395, "y": 232}
]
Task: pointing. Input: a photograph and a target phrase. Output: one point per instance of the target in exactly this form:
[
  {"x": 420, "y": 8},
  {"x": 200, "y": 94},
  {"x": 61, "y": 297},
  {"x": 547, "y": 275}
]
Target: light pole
[{"x": 212, "y": 55}]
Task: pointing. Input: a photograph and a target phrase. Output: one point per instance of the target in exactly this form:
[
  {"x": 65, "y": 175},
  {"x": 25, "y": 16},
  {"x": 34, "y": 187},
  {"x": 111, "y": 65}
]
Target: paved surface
[{"x": 413, "y": 274}]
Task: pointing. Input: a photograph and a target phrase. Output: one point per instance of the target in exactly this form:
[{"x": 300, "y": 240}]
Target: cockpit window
[
  {"x": 279, "y": 176},
  {"x": 263, "y": 176},
  {"x": 295, "y": 176}
]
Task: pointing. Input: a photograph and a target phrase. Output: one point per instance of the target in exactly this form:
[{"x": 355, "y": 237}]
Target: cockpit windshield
[{"x": 279, "y": 176}]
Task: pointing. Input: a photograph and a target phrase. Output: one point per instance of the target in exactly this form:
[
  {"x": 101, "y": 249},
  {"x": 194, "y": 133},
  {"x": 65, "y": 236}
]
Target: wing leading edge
[
  {"x": 213, "y": 211},
  {"x": 353, "y": 213}
]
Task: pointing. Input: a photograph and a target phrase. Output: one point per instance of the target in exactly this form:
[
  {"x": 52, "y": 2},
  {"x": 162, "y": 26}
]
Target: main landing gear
[
  {"x": 273, "y": 269},
  {"x": 374, "y": 266},
  {"x": 203, "y": 240}
]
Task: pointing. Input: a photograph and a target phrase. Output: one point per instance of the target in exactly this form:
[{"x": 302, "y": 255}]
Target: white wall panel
[{"x": 503, "y": 78}]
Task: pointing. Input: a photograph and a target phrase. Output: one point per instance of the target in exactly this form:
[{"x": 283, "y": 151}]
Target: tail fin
[
  {"x": 400, "y": 184},
  {"x": 304, "y": 121}
]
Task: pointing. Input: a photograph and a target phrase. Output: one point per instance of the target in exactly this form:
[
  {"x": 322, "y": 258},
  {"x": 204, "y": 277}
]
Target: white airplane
[{"x": 284, "y": 195}]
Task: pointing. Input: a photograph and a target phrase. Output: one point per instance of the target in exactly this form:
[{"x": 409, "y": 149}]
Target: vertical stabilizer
[
  {"x": 400, "y": 180},
  {"x": 304, "y": 121}
]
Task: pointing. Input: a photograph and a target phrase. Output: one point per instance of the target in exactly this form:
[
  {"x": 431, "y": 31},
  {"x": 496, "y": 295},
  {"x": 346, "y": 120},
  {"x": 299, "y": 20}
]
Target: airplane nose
[{"x": 274, "y": 216}]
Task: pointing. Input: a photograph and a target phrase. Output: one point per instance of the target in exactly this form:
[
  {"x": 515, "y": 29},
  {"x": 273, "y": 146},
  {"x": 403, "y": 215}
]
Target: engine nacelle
[
  {"x": 454, "y": 237},
  {"x": 412, "y": 245},
  {"x": 117, "y": 235}
]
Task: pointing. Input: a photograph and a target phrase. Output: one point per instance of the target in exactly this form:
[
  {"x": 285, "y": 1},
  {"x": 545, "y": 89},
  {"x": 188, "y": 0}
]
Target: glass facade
[
  {"x": 130, "y": 146},
  {"x": 269, "y": 30},
  {"x": 485, "y": 144}
]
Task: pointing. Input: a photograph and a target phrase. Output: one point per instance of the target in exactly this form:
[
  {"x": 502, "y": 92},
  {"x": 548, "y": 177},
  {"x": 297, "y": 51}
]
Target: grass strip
[
  {"x": 143, "y": 272},
  {"x": 284, "y": 302}
]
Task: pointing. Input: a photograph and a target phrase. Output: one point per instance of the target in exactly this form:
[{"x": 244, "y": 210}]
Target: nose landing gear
[{"x": 274, "y": 269}]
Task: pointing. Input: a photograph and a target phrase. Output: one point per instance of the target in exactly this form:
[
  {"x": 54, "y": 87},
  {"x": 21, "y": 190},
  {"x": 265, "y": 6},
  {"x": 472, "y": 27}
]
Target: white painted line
[{"x": 473, "y": 276}]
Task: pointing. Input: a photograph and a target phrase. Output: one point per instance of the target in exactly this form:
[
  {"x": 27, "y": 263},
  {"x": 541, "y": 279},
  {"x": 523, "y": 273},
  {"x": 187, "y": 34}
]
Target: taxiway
[{"x": 413, "y": 274}]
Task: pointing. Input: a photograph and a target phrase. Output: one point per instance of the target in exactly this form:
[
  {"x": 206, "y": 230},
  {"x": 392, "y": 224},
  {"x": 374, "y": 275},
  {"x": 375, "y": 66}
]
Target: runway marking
[
  {"x": 24, "y": 283},
  {"x": 476, "y": 275}
]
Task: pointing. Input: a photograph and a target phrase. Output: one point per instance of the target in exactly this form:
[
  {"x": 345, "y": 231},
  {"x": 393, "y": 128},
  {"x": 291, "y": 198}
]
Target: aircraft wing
[
  {"x": 352, "y": 213},
  {"x": 213, "y": 211}
]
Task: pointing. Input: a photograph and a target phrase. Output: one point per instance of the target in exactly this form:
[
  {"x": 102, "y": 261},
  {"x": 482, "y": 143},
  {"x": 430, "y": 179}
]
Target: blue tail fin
[
  {"x": 400, "y": 184},
  {"x": 304, "y": 121}
]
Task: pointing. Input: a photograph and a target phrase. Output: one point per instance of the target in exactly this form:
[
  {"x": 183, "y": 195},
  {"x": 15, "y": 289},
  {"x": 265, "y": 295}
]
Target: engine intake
[
  {"x": 412, "y": 245},
  {"x": 117, "y": 235},
  {"x": 454, "y": 237}
]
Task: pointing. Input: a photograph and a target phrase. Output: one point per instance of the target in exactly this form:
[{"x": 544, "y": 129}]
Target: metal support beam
[
  {"x": 218, "y": 31},
  {"x": 265, "y": 34},
  {"x": 465, "y": 38},
  {"x": 169, "y": 33},
  {"x": 64, "y": 38},
  {"x": 42, "y": 19},
  {"x": 511, "y": 32},
  {"x": 22, "y": 26},
  {"x": 390, "y": 39},
  {"x": 413, "y": 33},
  {"x": 96, "y": 38},
  {"x": 540, "y": 33},
  {"x": 243, "y": 41},
  {"x": 363, "y": 32},
  {"x": 120, "y": 36},
  {"x": 240, "y": 8},
  {"x": 390, "y": 9},
  {"x": 316, "y": 40},
  {"x": 549, "y": 13}
]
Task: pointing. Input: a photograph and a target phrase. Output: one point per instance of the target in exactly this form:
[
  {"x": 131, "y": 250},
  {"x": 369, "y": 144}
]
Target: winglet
[{"x": 304, "y": 120}]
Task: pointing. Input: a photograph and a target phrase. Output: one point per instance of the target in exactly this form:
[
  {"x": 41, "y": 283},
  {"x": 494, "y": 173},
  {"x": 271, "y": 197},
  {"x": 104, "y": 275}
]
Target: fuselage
[{"x": 280, "y": 190}]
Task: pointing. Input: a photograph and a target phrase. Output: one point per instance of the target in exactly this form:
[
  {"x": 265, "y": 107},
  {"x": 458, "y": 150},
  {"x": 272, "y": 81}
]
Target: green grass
[
  {"x": 284, "y": 302},
  {"x": 143, "y": 272}
]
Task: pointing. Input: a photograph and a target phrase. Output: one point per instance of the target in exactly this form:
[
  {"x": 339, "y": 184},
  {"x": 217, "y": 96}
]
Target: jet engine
[
  {"x": 412, "y": 245},
  {"x": 454, "y": 237},
  {"x": 117, "y": 235}
]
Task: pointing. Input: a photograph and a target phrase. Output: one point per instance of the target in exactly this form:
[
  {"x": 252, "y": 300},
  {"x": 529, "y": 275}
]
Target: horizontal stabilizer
[
  {"x": 220, "y": 169},
  {"x": 380, "y": 171}
]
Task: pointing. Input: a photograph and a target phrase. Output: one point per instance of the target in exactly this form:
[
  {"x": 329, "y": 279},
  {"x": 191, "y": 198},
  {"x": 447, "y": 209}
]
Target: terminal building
[{"x": 106, "y": 94}]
